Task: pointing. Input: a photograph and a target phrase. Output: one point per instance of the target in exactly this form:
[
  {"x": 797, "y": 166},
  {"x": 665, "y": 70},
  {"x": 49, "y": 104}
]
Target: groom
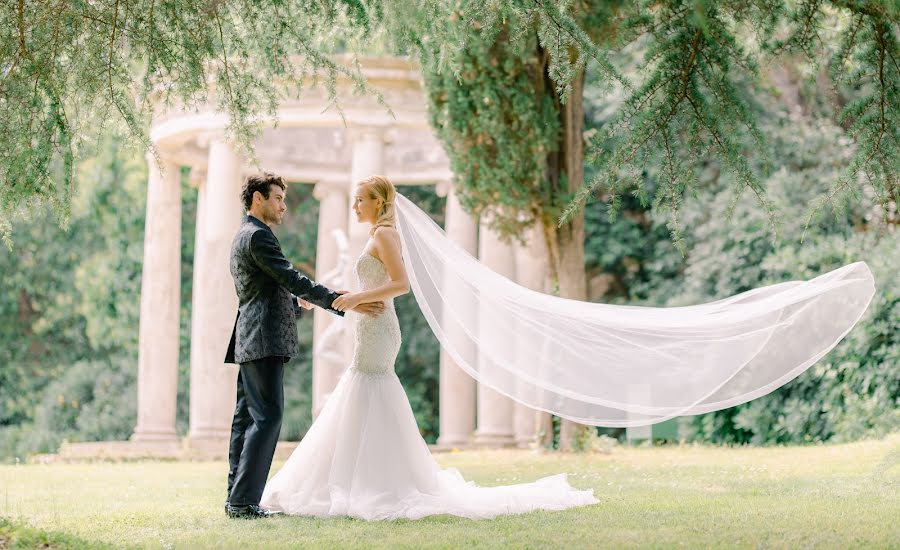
[{"x": 264, "y": 338}]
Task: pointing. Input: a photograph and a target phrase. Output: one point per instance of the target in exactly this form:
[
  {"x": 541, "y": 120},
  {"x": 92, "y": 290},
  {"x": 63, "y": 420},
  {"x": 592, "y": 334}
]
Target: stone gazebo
[{"x": 309, "y": 146}]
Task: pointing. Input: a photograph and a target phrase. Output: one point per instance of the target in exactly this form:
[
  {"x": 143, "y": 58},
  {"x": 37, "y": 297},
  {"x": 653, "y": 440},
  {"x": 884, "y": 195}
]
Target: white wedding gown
[{"x": 364, "y": 457}]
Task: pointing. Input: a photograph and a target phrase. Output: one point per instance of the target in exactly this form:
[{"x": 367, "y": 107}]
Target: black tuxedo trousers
[{"x": 255, "y": 428}]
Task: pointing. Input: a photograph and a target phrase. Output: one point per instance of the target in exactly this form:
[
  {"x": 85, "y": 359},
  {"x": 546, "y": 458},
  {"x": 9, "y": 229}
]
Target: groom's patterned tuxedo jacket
[{"x": 266, "y": 283}]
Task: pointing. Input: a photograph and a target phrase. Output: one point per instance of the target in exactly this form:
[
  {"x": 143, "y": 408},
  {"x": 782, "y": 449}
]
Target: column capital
[
  {"x": 324, "y": 188},
  {"x": 164, "y": 157},
  {"x": 367, "y": 133},
  {"x": 443, "y": 188},
  {"x": 218, "y": 143},
  {"x": 204, "y": 139},
  {"x": 197, "y": 176}
]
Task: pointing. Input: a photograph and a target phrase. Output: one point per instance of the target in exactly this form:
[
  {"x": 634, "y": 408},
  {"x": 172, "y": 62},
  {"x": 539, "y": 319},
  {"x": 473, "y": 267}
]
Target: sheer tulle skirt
[{"x": 364, "y": 457}]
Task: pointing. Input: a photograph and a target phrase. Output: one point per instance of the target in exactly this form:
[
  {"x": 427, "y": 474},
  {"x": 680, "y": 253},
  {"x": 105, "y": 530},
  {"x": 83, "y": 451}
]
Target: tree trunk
[{"x": 565, "y": 171}]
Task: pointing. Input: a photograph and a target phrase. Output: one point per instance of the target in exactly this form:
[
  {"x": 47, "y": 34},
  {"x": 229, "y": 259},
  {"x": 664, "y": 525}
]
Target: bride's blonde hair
[{"x": 379, "y": 187}]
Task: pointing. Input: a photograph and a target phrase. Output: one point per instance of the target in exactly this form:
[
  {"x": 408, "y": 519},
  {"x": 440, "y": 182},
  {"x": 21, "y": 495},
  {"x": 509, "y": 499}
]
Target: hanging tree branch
[
  {"x": 696, "y": 76},
  {"x": 691, "y": 83}
]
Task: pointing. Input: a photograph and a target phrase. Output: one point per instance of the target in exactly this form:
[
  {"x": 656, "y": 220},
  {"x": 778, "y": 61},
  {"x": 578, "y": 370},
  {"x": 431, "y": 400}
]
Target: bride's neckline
[{"x": 364, "y": 254}]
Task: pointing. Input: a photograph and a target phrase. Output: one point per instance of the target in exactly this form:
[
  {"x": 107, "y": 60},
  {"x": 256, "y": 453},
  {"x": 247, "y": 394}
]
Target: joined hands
[{"x": 350, "y": 302}]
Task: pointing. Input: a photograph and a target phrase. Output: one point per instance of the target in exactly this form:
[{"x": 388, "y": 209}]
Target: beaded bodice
[
  {"x": 370, "y": 272},
  {"x": 377, "y": 339}
]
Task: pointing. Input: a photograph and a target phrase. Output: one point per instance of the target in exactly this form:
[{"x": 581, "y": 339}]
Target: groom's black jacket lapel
[{"x": 266, "y": 283}]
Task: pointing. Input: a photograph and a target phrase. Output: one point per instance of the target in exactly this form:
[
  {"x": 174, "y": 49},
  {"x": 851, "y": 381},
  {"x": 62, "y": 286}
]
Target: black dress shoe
[{"x": 247, "y": 511}]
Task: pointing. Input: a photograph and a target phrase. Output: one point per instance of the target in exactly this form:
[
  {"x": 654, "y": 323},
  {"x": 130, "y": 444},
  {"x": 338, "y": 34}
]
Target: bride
[
  {"x": 363, "y": 456},
  {"x": 596, "y": 364}
]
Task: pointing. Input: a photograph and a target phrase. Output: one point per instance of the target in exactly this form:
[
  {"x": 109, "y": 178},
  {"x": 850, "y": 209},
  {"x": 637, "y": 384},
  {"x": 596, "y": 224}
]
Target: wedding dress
[{"x": 364, "y": 457}]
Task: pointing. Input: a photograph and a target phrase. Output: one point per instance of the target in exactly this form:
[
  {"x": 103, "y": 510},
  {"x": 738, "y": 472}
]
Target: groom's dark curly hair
[{"x": 262, "y": 183}]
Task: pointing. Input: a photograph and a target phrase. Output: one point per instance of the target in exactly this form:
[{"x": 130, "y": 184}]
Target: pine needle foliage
[
  {"x": 72, "y": 70},
  {"x": 695, "y": 99},
  {"x": 495, "y": 71}
]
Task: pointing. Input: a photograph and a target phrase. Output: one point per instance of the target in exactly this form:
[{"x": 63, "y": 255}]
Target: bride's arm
[{"x": 387, "y": 245}]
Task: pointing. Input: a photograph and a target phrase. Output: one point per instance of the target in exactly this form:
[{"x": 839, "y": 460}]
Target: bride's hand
[
  {"x": 346, "y": 302},
  {"x": 373, "y": 309}
]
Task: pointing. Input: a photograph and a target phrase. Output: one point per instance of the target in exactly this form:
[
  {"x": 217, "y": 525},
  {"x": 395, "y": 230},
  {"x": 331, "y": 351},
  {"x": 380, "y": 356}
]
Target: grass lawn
[{"x": 832, "y": 496}]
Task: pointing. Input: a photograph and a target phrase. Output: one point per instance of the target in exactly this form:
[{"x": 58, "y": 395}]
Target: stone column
[
  {"x": 328, "y": 355},
  {"x": 213, "y": 383},
  {"x": 495, "y": 411},
  {"x": 198, "y": 178},
  {"x": 457, "y": 389},
  {"x": 160, "y": 308},
  {"x": 532, "y": 271},
  {"x": 367, "y": 160}
]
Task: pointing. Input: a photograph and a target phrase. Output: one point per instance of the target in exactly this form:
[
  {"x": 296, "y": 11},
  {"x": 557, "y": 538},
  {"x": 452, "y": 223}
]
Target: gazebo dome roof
[{"x": 310, "y": 140}]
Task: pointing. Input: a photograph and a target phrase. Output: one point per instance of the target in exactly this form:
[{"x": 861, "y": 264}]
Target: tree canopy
[{"x": 69, "y": 69}]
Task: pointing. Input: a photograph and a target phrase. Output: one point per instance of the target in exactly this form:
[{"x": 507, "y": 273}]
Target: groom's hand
[{"x": 372, "y": 308}]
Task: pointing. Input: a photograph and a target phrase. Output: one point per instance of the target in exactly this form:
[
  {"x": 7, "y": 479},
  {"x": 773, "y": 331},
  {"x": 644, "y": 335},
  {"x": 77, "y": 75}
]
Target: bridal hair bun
[{"x": 379, "y": 187}]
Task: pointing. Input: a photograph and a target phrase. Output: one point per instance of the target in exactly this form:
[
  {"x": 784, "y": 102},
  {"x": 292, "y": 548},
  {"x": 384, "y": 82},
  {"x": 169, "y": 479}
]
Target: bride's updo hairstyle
[{"x": 379, "y": 187}]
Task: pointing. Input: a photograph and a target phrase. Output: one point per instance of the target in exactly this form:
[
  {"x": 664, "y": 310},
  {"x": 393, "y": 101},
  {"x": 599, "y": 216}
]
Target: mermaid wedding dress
[{"x": 364, "y": 457}]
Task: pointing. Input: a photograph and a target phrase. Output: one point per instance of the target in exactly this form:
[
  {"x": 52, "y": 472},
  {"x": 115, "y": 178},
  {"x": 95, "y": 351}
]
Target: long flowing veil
[{"x": 609, "y": 365}]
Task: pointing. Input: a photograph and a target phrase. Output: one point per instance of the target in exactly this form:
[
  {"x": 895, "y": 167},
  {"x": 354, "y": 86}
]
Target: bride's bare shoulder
[{"x": 385, "y": 234}]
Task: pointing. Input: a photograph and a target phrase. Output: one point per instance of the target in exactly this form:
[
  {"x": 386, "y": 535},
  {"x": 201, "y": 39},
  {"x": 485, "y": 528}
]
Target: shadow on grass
[{"x": 17, "y": 536}]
